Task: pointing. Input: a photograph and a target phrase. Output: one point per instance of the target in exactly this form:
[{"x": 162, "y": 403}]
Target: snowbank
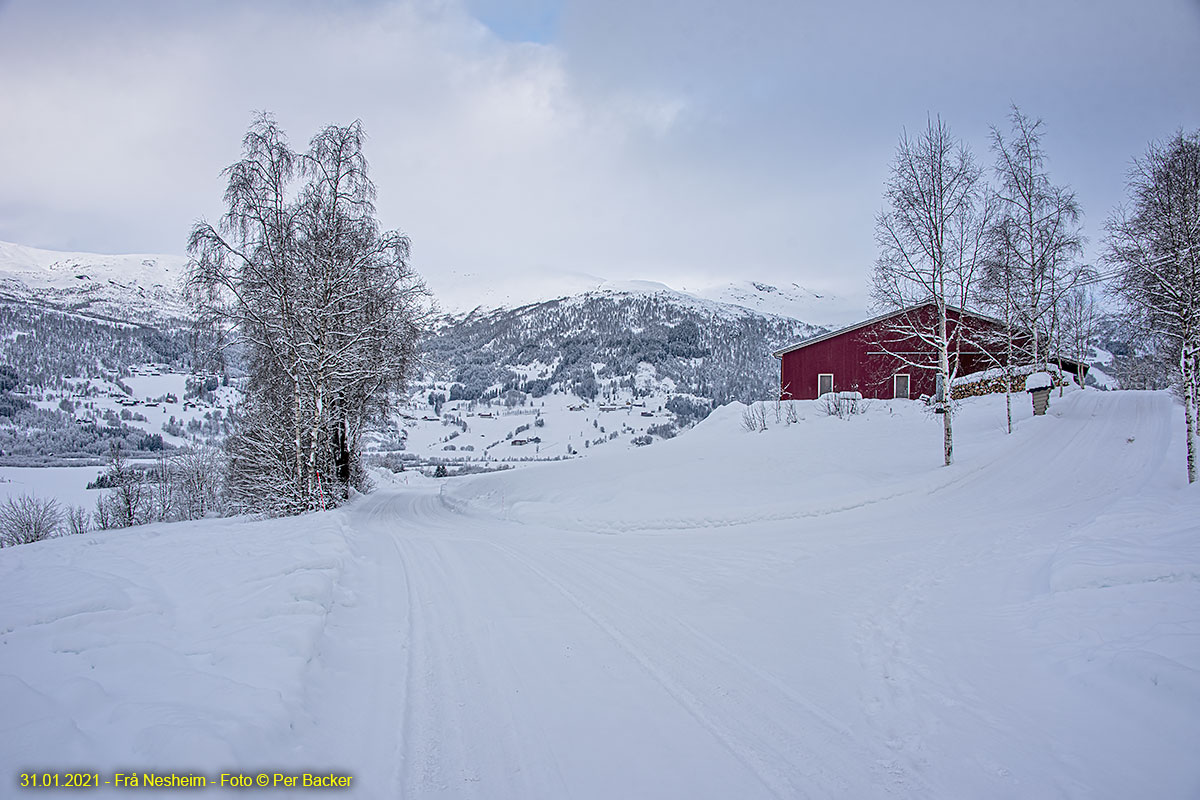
[
  {"x": 719, "y": 475},
  {"x": 168, "y": 645}
]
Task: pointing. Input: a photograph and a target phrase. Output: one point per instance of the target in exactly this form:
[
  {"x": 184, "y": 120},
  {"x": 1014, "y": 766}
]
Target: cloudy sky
[{"x": 532, "y": 143}]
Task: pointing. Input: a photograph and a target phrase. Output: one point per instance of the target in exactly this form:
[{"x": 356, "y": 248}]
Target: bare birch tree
[
  {"x": 1155, "y": 246},
  {"x": 930, "y": 240},
  {"x": 1080, "y": 324},
  {"x": 325, "y": 306},
  {"x": 1038, "y": 232},
  {"x": 997, "y": 291}
]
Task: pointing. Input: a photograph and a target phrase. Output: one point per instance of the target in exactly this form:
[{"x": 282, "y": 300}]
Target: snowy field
[
  {"x": 568, "y": 426},
  {"x": 67, "y": 485},
  {"x": 818, "y": 610}
]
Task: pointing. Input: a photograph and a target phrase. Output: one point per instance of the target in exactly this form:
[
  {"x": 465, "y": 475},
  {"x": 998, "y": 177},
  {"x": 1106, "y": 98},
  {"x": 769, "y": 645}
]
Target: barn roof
[{"x": 868, "y": 322}]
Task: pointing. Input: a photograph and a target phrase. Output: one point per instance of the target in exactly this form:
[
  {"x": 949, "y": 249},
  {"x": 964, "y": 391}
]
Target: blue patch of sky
[{"x": 519, "y": 20}]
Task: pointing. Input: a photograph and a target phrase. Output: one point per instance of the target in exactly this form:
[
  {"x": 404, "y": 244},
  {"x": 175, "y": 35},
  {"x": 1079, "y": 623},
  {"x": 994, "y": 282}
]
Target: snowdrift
[
  {"x": 172, "y": 645},
  {"x": 720, "y": 474}
]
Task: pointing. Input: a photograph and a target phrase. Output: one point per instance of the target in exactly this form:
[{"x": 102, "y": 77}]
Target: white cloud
[
  {"x": 482, "y": 149},
  {"x": 687, "y": 142}
]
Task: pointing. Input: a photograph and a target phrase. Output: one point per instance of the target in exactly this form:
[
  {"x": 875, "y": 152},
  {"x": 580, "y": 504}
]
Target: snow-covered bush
[
  {"x": 843, "y": 404},
  {"x": 754, "y": 418},
  {"x": 785, "y": 412},
  {"x": 129, "y": 500},
  {"x": 390, "y": 460},
  {"x": 78, "y": 520},
  {"x": 183, "y": 484},
  {"x": 27, "y": 519}
]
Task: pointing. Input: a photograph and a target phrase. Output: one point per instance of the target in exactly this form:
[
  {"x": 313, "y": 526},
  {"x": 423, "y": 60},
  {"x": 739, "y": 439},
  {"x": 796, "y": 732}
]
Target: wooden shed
[{"x": 878, "y": 359}]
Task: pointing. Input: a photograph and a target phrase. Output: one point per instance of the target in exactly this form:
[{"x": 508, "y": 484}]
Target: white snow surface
[
  {"x": 817, "y": 610},
  {"x": 66, "y": 485}
]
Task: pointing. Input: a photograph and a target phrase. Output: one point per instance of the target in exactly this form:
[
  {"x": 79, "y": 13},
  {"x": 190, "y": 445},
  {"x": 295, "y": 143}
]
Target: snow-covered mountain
[
  {"x": 134, "y": 288},
  {"x": 786, "y": 300},
  {"x": 619, "y": 335},
  {"x": 147, "y": 288},
  {"x": 789, "y": 300}
]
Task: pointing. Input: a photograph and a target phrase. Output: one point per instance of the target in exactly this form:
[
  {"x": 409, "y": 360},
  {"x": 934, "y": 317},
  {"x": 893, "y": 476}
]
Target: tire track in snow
[
  {"x": 760, "y": 737},
  {"x": 405, "y": 751},
  {"x": 913, "y": 684},
  {"x": 668, "y": 524},
  {"x": 840, "y": 741},
  {"x": 462, "y": 736},
  {"x": 358, "y": 688},
  {"x": 768, "y": 736}
]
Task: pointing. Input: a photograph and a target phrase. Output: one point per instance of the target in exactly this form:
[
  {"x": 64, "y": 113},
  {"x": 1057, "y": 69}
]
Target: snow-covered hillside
[
  {"x": 599, "y": 341},
  {"x": 552, "y": 427},
  {"x": 817, "y": 610},
  {"x": 460, "y": 293},
  {"x": 138, "y": 288},
  {"x": 791, "y": 300},
  {"x": 147, "y": 287}
]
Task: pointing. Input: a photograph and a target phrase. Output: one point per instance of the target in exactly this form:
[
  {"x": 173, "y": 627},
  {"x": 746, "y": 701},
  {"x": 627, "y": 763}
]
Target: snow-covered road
[
  {"x": 1023, "y": 624},
  {"x": 912, "y": 647}
]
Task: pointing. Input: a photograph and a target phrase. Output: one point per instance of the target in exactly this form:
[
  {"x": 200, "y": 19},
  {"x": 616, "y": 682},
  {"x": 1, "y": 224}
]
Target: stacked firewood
[{"x": 995, "y": 385}]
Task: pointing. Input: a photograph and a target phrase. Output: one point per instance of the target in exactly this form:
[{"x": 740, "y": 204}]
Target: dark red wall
[{"x": 859, "y": 363}]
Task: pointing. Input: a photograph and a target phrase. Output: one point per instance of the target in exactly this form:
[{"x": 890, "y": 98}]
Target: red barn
[{"x": 879, "y": 359}]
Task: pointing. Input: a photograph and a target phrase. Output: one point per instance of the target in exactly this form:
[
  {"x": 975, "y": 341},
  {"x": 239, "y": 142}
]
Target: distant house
[
  {"x": 872, "y": 357},
  {"x": 521, "y": 442}
]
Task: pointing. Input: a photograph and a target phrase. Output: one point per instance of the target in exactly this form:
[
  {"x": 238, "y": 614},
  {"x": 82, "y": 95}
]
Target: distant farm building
[{"x": 879, "y": 359}]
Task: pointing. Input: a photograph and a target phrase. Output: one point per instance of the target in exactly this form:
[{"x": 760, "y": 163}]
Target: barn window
[
  {"x": 824, "y": 383},
  {"x": 900, "y": 387}
]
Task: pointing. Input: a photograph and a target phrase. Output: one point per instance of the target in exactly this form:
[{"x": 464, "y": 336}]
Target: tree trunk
[
  {"x": 314, "y": 434},
  {"x": 299, "y": 439},
  {"x": 1185, "y": 363},
  {"x": 1195, "y": 388},
  {"x": 948, "y": 393},
  {"x": 1008, "y": 362},
  {"x": 341, "y": 451}
]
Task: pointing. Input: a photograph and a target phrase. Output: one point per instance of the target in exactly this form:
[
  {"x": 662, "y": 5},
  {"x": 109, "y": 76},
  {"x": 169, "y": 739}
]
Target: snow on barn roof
[{"x": 867, "y": 322}]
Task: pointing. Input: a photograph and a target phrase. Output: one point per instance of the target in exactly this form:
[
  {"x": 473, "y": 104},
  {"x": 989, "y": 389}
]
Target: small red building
[{"x": 883, "y": 358}]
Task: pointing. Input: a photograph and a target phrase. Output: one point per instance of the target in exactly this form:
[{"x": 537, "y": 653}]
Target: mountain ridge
[
  {"x": 714, "y": 344},
  {"x": 130, "y": 288}
]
